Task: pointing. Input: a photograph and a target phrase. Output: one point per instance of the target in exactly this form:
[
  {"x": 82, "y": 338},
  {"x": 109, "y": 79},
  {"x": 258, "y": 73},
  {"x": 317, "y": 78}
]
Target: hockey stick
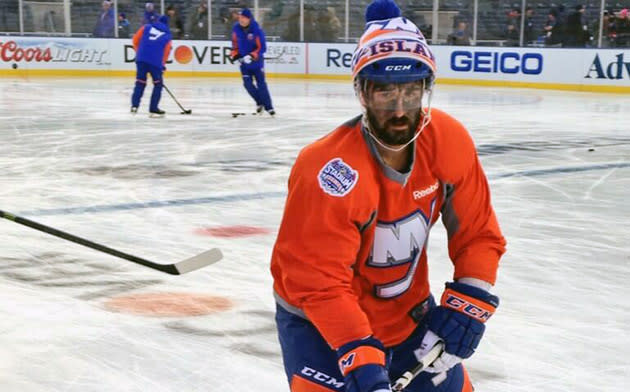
[
  {"x": 234, "y": 115},
  {"x": 184, "y": 111},
  {"x": 278, "y": 56},
  {"x": 238, "y": 57},
  {"x": 201, "y": 260},
  {"x": 404, "y": 380}
]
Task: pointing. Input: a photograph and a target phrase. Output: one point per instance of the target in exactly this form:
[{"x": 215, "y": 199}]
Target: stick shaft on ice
[{"x": 199, "y": 261}]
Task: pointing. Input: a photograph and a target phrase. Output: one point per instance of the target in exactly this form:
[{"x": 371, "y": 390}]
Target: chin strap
[{"x": 426, "y": 119}]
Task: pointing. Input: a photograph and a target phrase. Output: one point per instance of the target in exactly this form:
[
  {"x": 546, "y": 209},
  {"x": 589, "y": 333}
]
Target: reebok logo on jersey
[
  {"x": 425, "y": 192},
  {"x": 337, "y": 178}
]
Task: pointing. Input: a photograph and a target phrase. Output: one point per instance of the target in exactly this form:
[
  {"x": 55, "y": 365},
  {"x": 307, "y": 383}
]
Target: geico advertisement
[
  {"x": 454, "y": 62},
  {"x": 514, "y": 64},
  {"x": 215, "y": 56},
  {"x": 16, "y": 52},
  {"x": 496, "y": 62},
  {"x": 546, "y": 65}
]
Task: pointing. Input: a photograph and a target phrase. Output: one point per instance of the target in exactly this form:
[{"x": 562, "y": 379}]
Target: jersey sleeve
[
  {"x": 260, "y": 43},
  {"x": 314, "y": 255},
  {"x": 257, "y": 49},
  {"x": 475, "y": 241},
  {"x": 137, "y": 37},
  {"x": 167, "y": 51},
  {"x": 263, "y": 40},
  {"x": 234, "y": 44}
]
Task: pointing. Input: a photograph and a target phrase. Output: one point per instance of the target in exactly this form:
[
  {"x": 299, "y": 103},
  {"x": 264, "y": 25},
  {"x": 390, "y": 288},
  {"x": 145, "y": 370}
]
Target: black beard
[{"x": 394, "y": 138}]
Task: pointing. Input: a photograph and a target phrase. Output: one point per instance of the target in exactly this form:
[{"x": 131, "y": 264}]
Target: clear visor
[
  {"x": 395, "y": 103},
  {"x": 394, "y": 97}
]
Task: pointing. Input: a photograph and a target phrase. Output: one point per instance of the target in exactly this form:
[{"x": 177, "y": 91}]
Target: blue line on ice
[{"x": 268, "y": 195}]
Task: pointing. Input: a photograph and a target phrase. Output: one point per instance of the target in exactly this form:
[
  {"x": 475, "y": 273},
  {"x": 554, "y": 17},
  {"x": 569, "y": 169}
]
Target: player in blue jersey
[
  {"x": 248, "y": 47},
  {"x": 152, "y": 43}
]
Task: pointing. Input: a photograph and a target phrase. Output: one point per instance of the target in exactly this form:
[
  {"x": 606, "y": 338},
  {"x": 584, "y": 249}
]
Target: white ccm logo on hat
[
  {"x": 398, "y": 68},
  {"x": 411, "y": 48}
]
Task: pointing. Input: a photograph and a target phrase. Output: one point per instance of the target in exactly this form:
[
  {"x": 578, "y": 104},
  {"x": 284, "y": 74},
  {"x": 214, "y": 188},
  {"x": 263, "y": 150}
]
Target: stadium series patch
[{"x": 337, "y": 178}]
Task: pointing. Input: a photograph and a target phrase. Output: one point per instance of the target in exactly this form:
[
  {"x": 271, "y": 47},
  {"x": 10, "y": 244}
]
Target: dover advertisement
[{"x": 118, "y": 55}]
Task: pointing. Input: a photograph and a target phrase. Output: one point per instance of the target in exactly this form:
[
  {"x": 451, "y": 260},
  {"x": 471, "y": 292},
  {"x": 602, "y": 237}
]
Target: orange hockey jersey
[{"x": 350, "y": 254}]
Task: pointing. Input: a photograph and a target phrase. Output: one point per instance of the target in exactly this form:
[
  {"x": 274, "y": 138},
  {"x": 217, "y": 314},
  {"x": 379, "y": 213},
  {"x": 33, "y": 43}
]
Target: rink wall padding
[{"x": 602, "y": 70}]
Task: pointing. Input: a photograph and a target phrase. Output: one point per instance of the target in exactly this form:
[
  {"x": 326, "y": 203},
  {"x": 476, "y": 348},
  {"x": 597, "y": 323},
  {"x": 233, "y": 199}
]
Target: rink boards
[{"x": 605, "y": 70}]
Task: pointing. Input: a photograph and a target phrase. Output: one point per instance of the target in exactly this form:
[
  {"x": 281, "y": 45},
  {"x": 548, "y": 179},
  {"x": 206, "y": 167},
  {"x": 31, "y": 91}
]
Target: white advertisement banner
[
  {"x": 118, "y": 55},
  {"x": 536, "y": 67},
  {"x": 55, "y": 53},
  {"x": 214, "y": 56},
  {"x": 609, "y": 67},
  {"x": 330, "y": 59}
]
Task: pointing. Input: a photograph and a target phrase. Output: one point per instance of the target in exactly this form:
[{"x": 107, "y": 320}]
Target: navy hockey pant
[
  {"x": 142, "y": 69},
  {"x": 311, "y": 365},
  {"x": 258, "y": 91}
]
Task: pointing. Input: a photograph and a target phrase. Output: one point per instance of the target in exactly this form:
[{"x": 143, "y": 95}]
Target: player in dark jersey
[
  {"x": 248, "y": 47},
  {"x": 152, "y": 43}
]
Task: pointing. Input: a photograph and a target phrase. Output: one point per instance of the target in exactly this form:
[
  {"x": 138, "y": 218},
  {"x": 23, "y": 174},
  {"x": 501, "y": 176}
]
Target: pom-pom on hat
[
  {"x": 392, "y": 48},
  {"x": 380, "y": 10}
]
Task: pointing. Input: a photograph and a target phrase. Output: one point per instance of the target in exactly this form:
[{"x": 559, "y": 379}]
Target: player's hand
[
  {"x": 458, "y": 322},
  {"x": 247, "y": 59},
  {"x": 362, "y": 363},
  {"x": 164, "y": 68}
]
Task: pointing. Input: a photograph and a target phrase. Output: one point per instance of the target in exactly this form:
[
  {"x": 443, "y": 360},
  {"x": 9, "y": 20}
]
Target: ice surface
[{"x": 74, "y": 158}]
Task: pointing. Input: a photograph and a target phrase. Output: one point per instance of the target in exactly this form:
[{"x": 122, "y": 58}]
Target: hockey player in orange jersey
[{"x": 354, "y": 308}]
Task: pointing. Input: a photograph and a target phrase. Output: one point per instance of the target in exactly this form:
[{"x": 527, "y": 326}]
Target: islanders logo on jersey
[{"x": 337, "y": 178}]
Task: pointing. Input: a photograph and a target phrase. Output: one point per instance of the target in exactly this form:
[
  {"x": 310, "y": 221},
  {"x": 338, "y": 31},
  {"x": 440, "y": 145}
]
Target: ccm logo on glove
[{"x": 472, "y": 307}]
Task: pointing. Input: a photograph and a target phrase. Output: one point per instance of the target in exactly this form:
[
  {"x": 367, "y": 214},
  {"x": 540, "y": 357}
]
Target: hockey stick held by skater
[{"x": 423, "y": 363}]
